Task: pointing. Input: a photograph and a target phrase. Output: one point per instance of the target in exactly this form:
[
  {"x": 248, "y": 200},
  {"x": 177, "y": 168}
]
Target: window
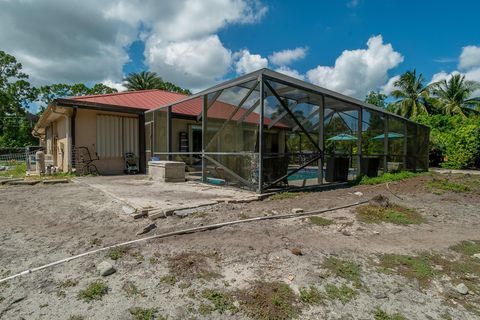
[{"x": 116, "y": 136}]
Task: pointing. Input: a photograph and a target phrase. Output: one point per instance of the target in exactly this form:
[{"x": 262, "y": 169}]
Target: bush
[{"x": 454, "y": 140}]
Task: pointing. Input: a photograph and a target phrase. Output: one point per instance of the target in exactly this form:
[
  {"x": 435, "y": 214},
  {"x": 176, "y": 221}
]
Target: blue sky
[{"x": 344, "y": 45}]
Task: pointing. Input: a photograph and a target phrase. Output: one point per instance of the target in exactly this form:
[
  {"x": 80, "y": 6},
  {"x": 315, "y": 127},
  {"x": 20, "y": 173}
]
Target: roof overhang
[{"x": 63, "y": 106}]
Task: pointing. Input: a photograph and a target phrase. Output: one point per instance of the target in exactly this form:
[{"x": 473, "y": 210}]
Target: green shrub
[{"x": 456, "y": 139}]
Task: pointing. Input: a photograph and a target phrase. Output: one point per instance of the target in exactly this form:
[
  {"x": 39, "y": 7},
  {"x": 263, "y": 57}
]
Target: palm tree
[
  {"x": 411, "y": 95},
  {"x": 454, "y": 95},
  {"x": 144, "y": 80}
]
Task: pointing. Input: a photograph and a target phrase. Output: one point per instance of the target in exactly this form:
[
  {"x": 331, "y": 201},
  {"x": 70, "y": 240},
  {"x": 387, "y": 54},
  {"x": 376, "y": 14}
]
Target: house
[
  {"x": 105, "y": 126},
  {"x": 262, "y": 131}
]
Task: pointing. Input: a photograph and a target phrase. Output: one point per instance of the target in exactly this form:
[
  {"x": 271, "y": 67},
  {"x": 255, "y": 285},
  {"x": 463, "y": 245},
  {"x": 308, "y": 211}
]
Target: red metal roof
[
  {"x": 143, "y": 99},
  {"x": 151, "y": 99}
]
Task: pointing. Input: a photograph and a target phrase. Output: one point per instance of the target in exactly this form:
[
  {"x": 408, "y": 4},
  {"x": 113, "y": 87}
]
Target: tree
[
  {"x": 376, "y": 98},
  {"x": 48, "y": 93},
  {"x": 147, "y": 80},
  {"x": 411, "y": 94},
  {"x": 454, "y": 95},
  {"x": 15, "y": 95},
  {"x": 144, "y": 80},
  {"x": 168, "y": 86}
]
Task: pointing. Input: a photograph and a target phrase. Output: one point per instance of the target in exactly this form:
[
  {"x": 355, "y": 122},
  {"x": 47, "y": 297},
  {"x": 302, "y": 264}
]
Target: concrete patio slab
[{"x": 142, "y": 193}]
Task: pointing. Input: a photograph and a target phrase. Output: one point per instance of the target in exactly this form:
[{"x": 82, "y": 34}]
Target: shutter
[{"x": 116, "y": 136}]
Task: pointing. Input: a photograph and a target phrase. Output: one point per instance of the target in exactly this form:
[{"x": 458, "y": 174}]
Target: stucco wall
[{"x": 86, "y": 136}]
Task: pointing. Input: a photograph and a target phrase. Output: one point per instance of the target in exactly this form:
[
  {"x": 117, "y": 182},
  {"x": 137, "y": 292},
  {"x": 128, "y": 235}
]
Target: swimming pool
[{"x": 304, "y": 174}]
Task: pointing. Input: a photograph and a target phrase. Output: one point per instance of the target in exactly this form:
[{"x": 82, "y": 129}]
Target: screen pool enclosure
[{"x": 266, "y": 130}]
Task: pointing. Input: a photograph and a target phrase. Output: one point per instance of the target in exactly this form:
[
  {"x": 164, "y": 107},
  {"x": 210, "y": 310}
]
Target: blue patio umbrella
[
  {"x": 343, "y": 137},
  {"x": 390, "y": 135}
]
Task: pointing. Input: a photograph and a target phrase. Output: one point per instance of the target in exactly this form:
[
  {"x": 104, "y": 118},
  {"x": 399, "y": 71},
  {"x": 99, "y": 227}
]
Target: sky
[{"x": 350, "y": 46}]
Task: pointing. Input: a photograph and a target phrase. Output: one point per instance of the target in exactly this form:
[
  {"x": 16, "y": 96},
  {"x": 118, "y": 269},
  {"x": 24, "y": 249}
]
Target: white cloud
[
  {"x": 285, "y": 57},
  {"x": 195, "y": 64},
  {"x": 71, "y": 41},
  {"x": 469, "y": 65},
  {"x": 469, "y": 58},
  {"x": 290, "y": 72},
  {"x": 358, "y": 71},
  {"x": 247, "y": 62},
  {"x": 116, "y": 85},
  {"x": 390, "y": 85}
]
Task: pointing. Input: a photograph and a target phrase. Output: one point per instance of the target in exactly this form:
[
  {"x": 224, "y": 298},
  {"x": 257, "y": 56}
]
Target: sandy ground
[{"x": 41, "y": 224}]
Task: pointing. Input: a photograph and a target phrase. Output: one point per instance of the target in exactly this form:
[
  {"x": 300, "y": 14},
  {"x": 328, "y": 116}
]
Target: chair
[{"x": 131, "y": 163}]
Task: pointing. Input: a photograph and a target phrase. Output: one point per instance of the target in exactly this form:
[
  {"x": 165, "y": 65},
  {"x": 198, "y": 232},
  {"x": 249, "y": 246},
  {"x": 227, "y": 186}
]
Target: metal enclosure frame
[{"x": 252, "y": 126}]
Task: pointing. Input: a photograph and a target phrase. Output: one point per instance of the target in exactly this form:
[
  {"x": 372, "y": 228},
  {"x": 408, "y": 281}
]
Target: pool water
[{"x": 304, "y": 174}]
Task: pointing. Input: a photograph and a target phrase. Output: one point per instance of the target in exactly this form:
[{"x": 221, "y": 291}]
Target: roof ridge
[{"x": 121, "y": 93}]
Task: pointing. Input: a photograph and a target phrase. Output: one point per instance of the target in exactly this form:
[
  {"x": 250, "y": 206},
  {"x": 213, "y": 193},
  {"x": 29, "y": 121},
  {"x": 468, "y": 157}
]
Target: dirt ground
[{"x": 205, "y": 275}]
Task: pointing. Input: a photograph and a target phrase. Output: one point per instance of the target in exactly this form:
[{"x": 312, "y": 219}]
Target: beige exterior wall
[
  {"x": 56, "y": 142},
  {"x": 86, "y": 136}
]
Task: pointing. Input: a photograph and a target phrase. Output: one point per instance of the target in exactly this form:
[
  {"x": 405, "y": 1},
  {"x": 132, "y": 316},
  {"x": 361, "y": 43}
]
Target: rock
[
  {"x": 128, "y": 210},
  {"x": 358, "y": 193},
  {"x": 105, "y": 268},
  {"x": 274, "y": 212},
  {"x": 346, "y": 233},
  {"x": 381, "y": 295},
  {"x": 462, "y": 289},
  {"x": 476, "y": 255},
  {"x": 296, "y": 251},
  {"x": 376, "y": 232},
  {"x": 147, "y": 229},
  {"x": 380, "y": 201},
  {"x": 297, "y": 210},
  {"x": 236, "y": 304},
  {"x": 397, "y": 290}
]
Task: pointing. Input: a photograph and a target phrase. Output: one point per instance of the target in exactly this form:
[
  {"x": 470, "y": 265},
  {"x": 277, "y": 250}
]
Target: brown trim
[
  {"x": 96, "y": 106},
  {"x": 141, "y": 143}
]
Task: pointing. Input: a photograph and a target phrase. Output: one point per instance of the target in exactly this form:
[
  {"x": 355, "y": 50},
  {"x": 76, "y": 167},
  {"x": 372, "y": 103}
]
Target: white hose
[{"x": 180, "y": 232}]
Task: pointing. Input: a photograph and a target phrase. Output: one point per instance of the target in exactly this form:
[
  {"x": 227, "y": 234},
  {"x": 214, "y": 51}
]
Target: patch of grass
[
  {"x": 138, "y": 256},
  {"x": 17, "y": 170},
  {"x": 95, "y": 291},
  {"x": 409, "y": 266},
  {"x": 310, "y": 295},
  {"x": 285, "y": 195},
  {"x": 67, "y": 283},
  {"x": 131, "y": 289},
  {"x": 243, "y": 216},
  {"x": 343, "y": 293},
  {"x": 379, "y": 314},
  {"x": 76, "y": 317},
  {"x": 269, "y": 300},
  {"x": 387, "y": 177},
  {"x": 116, "y": 253},
  {"x": 184, "y": 285},
  {"x": 394, "y": 213},
  {"x": 169, "y": 279},
  {"x": 435, "y": 185},
  {"x": 347, "y": 270},
  {"x": 198, "y": 214},
  {"x": 319, "y": 221},
  {"x": 153, "y": 260},
  {"x": 190, "y": 265},
  {"x": 142, "y": 313},
  {"x": 96, "y": 242},
  {"x": 468, "y": 248},
  {"x": 205, "y": 309},
  {"x": 221, "y": 301}
]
